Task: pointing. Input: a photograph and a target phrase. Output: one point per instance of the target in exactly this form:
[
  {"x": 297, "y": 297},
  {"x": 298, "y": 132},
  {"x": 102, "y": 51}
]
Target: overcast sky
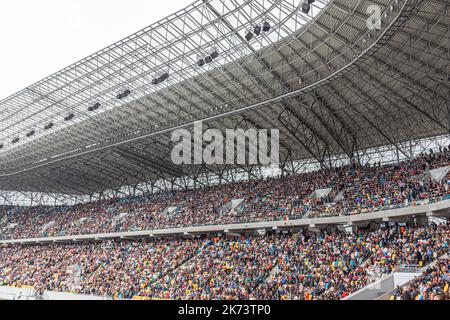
[{"x": 40, "y": 37}]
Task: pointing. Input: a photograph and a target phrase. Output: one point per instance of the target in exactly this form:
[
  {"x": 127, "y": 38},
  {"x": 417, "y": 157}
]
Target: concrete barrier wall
[
  {"x": 50, "y": 295},
  {"x": 374, "y": 290},
  {"x": 9, "y": 293},
  {"x": 383, "y": 286}
]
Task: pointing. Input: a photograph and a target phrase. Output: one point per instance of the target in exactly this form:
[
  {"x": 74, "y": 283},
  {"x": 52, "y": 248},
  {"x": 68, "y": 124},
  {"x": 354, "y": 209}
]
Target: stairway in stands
[
  {"x": 439, "y": 174},
  {"x": 231, "y": 207}
]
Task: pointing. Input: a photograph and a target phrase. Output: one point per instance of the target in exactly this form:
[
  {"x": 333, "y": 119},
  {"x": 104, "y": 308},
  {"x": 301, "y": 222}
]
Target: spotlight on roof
[
  {"x": 15, "y": 140},
  {"x": 214, "y": 55},
  {"x": 306, "y": 6},
  {"x": 164, "y": 77},
  {"x": 266, "y": 26},
  {"x": 249, "y": 36},
  {"x": 49, "y": 126},
  {"x": 124, "y": 94},
  {"x": 31, "y": 133},
  {"x": 257, "y": 30},
  {"x": 161, "y": 79},
  {"x": 69, "y": 117},
  {"x": 201, "y": 62},
  {"x": 208, "y": 59},
  {"x": 95, "y": 107}
]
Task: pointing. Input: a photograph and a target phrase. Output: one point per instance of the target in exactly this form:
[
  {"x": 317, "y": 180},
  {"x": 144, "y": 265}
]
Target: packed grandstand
[
  {"x": 359, "y": 189},
  {"x": 300, "y": 265},
  {"x": 91, "y": 204},
  {"x": 308, "y": 265}
]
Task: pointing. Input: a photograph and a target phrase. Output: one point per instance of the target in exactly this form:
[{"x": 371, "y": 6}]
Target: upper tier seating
[{"x": 352, "y": 189}]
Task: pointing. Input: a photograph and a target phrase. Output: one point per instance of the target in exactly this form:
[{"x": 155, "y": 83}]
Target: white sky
[{"x": 40, "y": 37}]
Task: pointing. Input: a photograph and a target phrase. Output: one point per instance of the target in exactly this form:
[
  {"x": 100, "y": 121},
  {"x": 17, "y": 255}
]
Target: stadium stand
[
  {"x": 302, "y": 265},
  {"x": 92, "y": 205},
  {"x": 364, "y": 188}
]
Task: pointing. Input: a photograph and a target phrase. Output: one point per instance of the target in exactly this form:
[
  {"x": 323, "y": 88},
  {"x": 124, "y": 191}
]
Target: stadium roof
[{"x": 328, "y": 82}]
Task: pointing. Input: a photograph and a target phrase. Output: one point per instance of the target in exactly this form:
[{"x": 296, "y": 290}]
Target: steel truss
[
  {"x": 225, "y": 175},
  {"x": 335, "y": 89}
]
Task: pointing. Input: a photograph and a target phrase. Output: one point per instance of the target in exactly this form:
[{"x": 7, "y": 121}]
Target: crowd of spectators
[
  {"x": 334, "y": 266},
  {"x": 301, "y": 265},
  {"x": 114, "y": 269},
  {"x": 355, "y": 189},
  {"x": 433, "y": 284}
]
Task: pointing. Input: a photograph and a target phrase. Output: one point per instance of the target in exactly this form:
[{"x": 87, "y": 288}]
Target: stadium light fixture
[
  {"x": 31, "y": 133},
  {"x": 124, "y": 94},
  {"x": 306, "y": 6},
  {"x": 208, "y": 59},
  {"x": 201, "y": 62},
  {"x": 257, "y": 30},
  {"x": 164, "y": 77},
  {"x": 49, "y": 126},
  {"x": 95, "y": 107},
  {"x": 214, "y": 55},
  {"x": 161, "y": 79},
  {"x": 69, "y": 117}
]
